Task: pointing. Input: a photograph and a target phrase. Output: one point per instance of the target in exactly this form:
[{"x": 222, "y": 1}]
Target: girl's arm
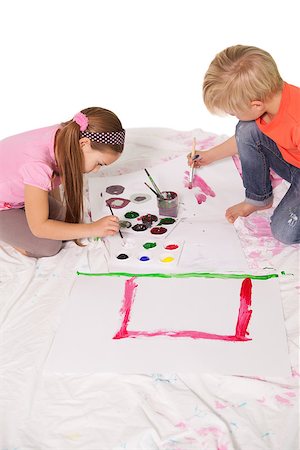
[
  {"x": 227, "y": 148},
  {"x": 37, "y": 213}
]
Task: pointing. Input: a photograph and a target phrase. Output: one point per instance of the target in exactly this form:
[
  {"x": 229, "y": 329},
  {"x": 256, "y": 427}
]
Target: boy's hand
[
  {"x": 107, "y": 226},
  {"x": 202, "y": 158}
]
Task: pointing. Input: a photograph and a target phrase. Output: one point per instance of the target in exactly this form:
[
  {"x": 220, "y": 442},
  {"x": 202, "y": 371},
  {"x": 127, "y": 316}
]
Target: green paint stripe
[{"x": 182, "y": 275}]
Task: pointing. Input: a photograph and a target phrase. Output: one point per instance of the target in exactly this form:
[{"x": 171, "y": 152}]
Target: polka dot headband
[{"x": 105, "y": 137}]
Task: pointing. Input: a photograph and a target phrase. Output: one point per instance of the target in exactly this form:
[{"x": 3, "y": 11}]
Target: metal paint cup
[{"x": 168, "y": 204}]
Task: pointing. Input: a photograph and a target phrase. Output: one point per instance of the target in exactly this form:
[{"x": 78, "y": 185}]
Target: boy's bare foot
[{"x": 243, "y": 209}]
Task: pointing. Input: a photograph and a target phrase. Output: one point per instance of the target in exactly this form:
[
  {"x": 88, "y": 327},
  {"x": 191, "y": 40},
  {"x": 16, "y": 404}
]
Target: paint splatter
[
  {"x": 117, "y": 202},
  {"x": 158, "y": 230},
  {"x": 200, "y": 183},
  {"x": 167, "y": 259},
  {"x": 290, "y": 394},
  {"x": 282, "y": 400},
  {"x": 166, "y": 221},
  {"x": 122, "y": 256},
  {"x": 220, "y": 405},
  {"x": 139, "y": 227},
  {"x": 149, "y": 245},
  {"x": 171, "y": 247},
  {"x": 293, "y": 220},
  {"x": 144, "y": 258},
  {"x": 131, "y": 215},
  {"x": 115, "y": 189},
  {"x": 201, "y": 198}
]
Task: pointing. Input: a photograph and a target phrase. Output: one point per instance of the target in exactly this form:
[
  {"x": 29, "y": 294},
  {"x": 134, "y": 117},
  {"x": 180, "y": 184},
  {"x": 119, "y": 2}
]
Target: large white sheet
[
  {"x": 172, "y": 325},
  {"x": 113, "y": 411}
]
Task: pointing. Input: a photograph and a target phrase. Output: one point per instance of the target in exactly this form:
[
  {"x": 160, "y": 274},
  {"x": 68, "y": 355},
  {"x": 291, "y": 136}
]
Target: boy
[{"x": 244, "y": 81}]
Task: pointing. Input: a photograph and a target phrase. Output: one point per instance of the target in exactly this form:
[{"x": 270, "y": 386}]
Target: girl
[{"x": 33, "y": 165}]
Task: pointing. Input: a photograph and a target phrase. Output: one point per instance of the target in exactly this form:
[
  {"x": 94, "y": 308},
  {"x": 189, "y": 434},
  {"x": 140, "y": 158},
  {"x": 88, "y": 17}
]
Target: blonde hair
[
  {"x": 70, "y": 157},
  {"x": 237, "y": 76}
]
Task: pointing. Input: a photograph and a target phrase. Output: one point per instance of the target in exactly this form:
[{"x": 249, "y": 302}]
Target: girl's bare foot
[{"x": 243, "y": 209}]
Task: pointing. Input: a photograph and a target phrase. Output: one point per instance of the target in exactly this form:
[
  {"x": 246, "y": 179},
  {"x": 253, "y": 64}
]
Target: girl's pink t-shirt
[{"x": 27, "y": 158}]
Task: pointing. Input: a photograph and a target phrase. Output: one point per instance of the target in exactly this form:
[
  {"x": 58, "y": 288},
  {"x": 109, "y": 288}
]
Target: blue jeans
[{"x": 258, "y": 153}]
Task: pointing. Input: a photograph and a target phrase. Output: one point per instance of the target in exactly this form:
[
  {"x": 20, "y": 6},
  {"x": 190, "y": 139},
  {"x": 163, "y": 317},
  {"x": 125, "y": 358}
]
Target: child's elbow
[{"x": 37, "y": 230}]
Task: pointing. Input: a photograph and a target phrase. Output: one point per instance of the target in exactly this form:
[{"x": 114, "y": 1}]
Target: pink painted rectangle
[{"x": 240, "y": 333}]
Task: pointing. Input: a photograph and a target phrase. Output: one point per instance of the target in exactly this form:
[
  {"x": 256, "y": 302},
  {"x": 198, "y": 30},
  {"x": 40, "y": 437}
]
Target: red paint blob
[
  {"x": 171, "y": 247},
  {"x": 117, "y": 202},
  {"x": 158, "y": 230}
]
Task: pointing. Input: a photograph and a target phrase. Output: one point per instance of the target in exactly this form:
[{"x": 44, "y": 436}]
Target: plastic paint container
[{"x": 168, "y": 204}]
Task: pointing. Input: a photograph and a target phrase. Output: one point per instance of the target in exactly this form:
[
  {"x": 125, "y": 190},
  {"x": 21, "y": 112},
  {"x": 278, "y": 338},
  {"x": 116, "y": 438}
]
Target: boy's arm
[
  {"x": 37, "y": 214},
  {"x": 221, "y": 151}
]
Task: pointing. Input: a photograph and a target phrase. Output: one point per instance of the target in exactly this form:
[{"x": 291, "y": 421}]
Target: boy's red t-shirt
[{"x": 284, "y": 129}]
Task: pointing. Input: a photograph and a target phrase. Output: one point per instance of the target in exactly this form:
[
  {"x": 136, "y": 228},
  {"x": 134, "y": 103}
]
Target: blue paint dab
[{"x": 144, "y": 258}]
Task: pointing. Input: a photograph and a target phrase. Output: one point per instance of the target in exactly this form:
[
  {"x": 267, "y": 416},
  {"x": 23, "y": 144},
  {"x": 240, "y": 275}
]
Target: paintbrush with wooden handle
[{"x": 191, "y": 176}]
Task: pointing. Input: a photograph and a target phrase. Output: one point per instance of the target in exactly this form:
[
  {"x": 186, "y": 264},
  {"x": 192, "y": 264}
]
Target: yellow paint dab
[
  {"x": 167, "y": 259},
  {"x": 73, "y": 436}
]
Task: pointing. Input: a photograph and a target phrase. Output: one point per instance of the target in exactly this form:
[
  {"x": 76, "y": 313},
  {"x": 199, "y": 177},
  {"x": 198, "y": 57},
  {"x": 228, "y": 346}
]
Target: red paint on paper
[
  {"x": 201, "y": 198},
  {"x": 171, "y": 247},
  {"x": 243, "y": 319},
  {"x": 128, "y": 299},
  {"x": 199, "y": 182},
  {"x": 244, "y": 312}
]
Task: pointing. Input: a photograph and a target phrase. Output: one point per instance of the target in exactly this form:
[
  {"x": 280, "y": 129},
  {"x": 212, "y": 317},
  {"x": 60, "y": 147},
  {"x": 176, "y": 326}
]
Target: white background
[{"x": 145, "y": 60}]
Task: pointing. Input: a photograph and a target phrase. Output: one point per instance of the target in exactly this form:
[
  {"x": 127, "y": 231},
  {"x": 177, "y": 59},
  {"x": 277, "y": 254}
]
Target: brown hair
[
  {"x": 70, "y": 157},
  {"x": 237, "y": 76}
]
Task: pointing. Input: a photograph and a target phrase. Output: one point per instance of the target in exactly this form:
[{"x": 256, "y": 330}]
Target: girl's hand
[
  {"x": 107, "y": 226},
  {"x": 204, "y": 158}
]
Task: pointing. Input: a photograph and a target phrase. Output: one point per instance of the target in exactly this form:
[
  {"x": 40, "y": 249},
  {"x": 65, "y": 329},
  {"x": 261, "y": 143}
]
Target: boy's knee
[
  {"x": 286, "y": 231},
  {"x": 246, "y": 130}
]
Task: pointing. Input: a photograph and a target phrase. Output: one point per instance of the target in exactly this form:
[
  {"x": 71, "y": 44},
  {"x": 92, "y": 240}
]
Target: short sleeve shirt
[
  {"x": 27, "y": 158},
  {"x": 284, "y": 129}
]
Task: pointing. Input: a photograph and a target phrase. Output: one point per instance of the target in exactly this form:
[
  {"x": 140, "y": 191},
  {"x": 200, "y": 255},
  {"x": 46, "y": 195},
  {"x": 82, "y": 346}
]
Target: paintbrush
[
  {"x": 152, "y": 190},
  {"x": 191, "y": 176},
  {"x": 153, "y": 184},
  {"x": 113, "y": 215}
]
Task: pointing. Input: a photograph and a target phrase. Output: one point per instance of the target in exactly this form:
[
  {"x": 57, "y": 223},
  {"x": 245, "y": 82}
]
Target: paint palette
[
  {"x": 143, "y": 255},
  {"x": 137, "y": 209},
  {"x": 148, "y": 225}
]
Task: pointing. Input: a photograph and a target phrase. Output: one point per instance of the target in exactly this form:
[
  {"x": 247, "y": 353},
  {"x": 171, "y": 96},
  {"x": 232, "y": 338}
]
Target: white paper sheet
[
  {"x": 144, "y": 256},
  {"x": 211, "y": 243},
  {"x": 92, "y": 318}
]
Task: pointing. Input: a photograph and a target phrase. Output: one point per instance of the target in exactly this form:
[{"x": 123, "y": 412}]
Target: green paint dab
[
  {"x": 166, "y": 221},
  {"x": 131, "y": 215},
  {"x": 148, "y": 245}
]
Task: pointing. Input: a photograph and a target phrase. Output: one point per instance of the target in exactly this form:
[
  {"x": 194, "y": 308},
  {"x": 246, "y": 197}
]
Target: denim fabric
[{"x": 258, "y": 153}]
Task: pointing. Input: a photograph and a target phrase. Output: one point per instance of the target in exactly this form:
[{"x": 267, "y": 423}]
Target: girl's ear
[{"x": 84, "y": 143}]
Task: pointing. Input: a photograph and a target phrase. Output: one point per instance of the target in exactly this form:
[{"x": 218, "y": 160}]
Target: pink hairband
[
  {"x": 105, "y": 137},
  {"x": 81, "y": 120}
]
